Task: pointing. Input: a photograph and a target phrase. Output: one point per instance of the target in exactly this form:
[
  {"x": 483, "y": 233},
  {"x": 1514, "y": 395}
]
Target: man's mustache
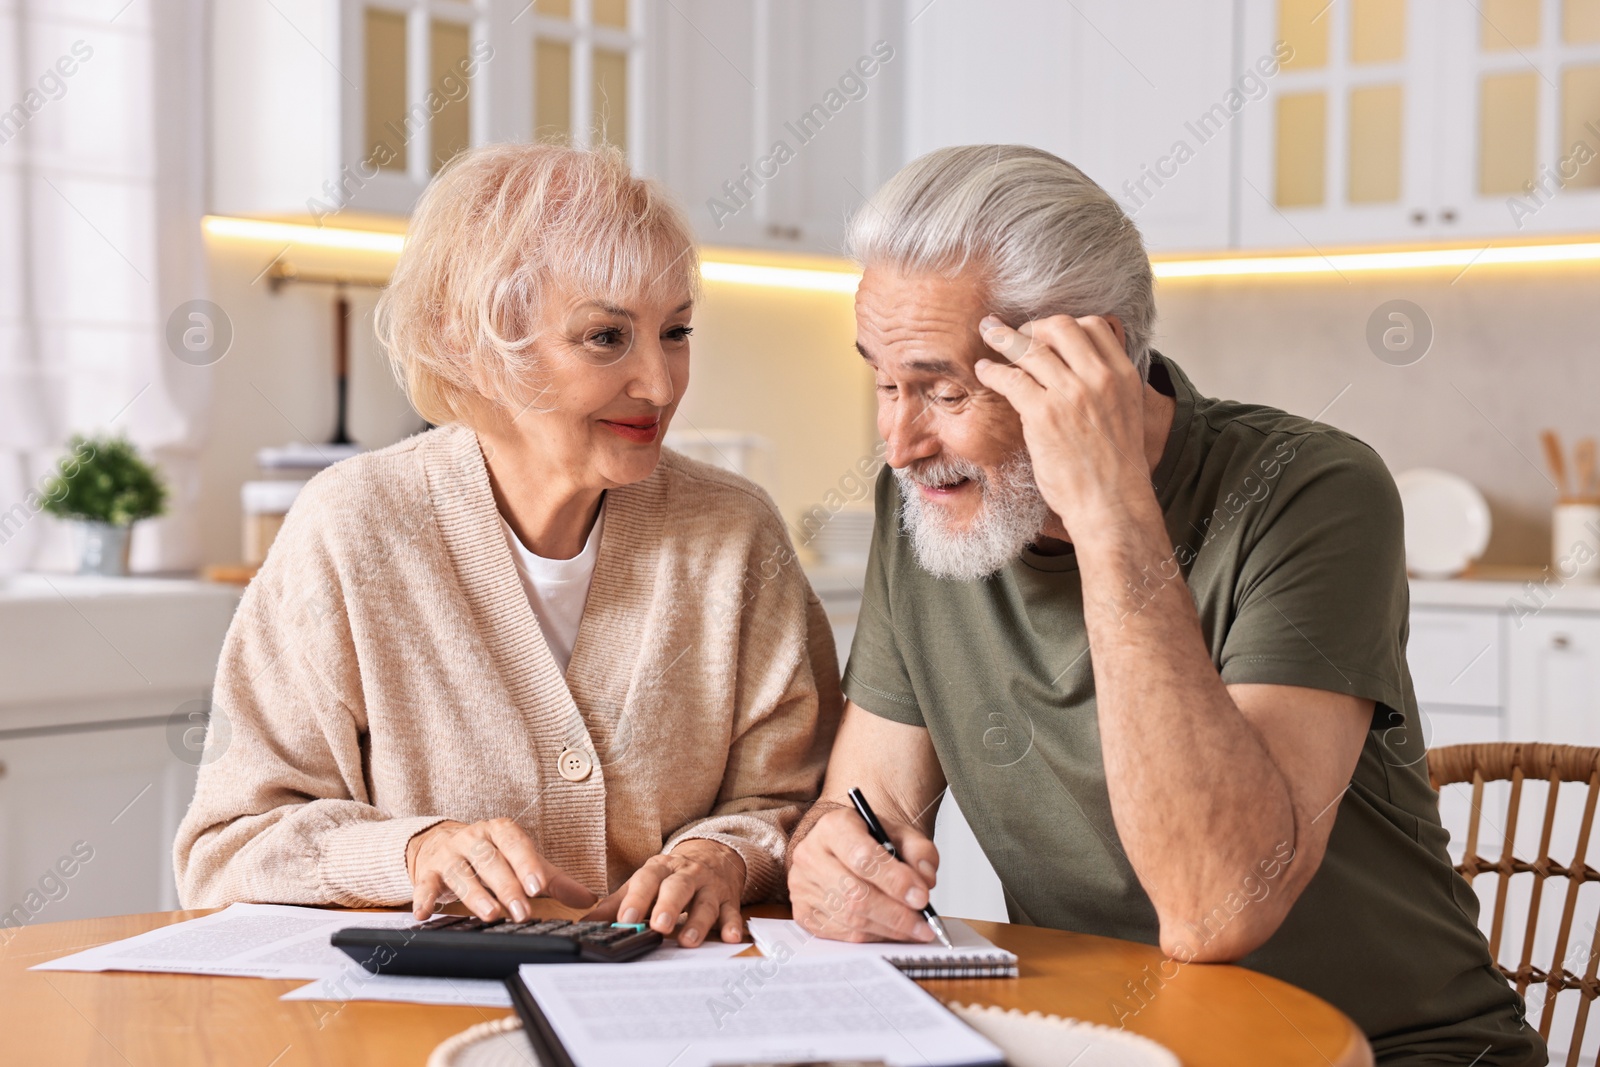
[{"x": 943, "y": 470}]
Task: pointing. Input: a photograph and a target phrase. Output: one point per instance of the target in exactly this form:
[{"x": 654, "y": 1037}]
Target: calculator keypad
[{"x": 591, "y": 933}]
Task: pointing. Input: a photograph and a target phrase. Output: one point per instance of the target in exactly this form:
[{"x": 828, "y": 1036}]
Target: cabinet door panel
[
  {"x": 973, "y": 78},
  {"x": 834, "y": 102},
  {"x": 706, "y": 77},
  {"x": 1146, "y": 113},
  {"x": 1343, "y": 149},
  {"x": 1521, "y": 125},
  {"x": 1454, "y": 657},
  {"x": 1554, "y": 679},
  {"x": 1092, "y": 83},
  {"x": 110, "y": 799}
]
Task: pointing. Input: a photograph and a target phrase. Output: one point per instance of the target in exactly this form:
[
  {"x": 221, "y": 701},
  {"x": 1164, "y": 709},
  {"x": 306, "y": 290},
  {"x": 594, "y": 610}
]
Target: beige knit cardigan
[{"x": 385, "y": 671}]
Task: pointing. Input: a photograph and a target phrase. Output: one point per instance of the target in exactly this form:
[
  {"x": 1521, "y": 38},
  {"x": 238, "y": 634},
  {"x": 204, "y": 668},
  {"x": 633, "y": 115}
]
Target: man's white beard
[{"x": 1010, "y": 517}]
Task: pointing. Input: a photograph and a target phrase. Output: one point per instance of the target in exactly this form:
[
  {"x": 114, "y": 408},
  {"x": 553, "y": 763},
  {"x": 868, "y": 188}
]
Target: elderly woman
[{"x": 528, "y": 653}]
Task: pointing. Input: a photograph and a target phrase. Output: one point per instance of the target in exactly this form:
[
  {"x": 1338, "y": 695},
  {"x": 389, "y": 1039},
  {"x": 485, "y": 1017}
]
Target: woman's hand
[
  {"x": 490, "y": 866},
  {"x": 703, "y": 878}
]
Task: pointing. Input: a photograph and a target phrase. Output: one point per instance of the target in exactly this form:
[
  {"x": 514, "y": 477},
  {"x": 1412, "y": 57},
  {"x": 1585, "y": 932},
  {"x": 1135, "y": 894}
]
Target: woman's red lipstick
[{"x": 640, "y": 430}]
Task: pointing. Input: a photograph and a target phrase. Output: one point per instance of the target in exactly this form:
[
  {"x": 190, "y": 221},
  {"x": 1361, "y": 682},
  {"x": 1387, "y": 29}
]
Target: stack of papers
[
  {"x": 282, "y": 941},
  {"x": 789, "y": 1010}
]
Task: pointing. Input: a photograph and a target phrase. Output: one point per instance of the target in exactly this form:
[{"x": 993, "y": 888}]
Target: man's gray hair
[{"x": 1046, "y": 239}]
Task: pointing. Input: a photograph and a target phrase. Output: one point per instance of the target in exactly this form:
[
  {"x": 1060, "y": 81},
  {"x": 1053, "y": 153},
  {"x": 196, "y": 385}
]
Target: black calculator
[{"x": 457, "y": 946}]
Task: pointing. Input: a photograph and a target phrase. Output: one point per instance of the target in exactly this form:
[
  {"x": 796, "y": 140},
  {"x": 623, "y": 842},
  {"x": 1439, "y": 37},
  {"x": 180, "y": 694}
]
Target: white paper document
[
  {"x": 969, "y": 944},
  {"x": 769, "y": 1010},
  {"x": 247, "y": 940},
  {"x": 477, "y": 992}
]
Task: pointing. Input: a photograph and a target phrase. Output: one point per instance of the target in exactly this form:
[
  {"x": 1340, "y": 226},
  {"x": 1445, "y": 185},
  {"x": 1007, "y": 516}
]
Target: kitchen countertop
[
  {"x": 83, "y": 649},
  {"x": 1506, "y": 588},
  {"x": 1497, "y": 587}
]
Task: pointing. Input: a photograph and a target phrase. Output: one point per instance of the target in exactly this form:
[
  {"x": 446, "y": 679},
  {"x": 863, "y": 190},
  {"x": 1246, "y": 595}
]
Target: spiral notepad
[{"x": 974, "y": 956}]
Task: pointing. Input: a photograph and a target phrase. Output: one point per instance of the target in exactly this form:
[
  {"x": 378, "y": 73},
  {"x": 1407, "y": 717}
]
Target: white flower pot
[{"x": 103, "y": 549}]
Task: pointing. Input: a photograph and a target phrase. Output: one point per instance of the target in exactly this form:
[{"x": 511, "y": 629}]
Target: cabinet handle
[
  {"x": 1448, "y": 214},
  {"x": 1419, "y": 217},
  {"x": 784, "y": 233},
  {"x": 1560, "y": 641},
  {"x": 2, "y": 768}
]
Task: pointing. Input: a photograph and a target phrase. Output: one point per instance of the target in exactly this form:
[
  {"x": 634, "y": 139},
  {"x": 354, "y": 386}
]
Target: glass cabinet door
[
  {"x": 1525, "y": 129},
  {"x": 414, "y": 85},
  {"x": 1339, "y": 150},
  {"x": 585, "y": 60}
]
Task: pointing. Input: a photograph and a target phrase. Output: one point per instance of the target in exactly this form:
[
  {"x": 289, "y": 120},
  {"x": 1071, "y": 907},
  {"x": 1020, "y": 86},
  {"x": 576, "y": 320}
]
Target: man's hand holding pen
[{"x": 855, "y": 889}]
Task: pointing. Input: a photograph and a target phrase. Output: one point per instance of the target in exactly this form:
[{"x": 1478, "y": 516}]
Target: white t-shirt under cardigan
[{"x": 557, "y": 588}]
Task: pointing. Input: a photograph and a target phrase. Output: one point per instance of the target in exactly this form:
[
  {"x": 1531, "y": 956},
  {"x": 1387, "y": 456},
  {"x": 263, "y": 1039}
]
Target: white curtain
[{"x": 102, "y": 187}]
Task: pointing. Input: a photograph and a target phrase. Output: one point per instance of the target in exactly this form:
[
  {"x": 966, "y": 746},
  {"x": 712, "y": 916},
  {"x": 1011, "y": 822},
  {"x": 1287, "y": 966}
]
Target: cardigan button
[{"x": 574, "y": 764}]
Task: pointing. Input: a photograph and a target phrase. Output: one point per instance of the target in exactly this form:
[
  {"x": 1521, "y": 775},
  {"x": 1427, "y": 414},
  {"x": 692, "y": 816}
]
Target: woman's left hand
[{"x": 703, "y": 878}]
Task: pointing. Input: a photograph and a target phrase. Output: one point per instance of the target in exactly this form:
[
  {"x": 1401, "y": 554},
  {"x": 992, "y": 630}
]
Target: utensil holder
[{"x": 1575, "y": 539}]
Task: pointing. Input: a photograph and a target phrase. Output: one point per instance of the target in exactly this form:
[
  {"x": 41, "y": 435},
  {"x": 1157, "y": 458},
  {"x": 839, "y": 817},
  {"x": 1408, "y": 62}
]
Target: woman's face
[{"x": 613, "y": 376}]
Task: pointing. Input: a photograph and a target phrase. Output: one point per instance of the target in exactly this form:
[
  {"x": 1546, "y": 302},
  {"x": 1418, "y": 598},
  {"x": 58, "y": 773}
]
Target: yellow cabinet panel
[
  {"x": 1377, "y": 31},
  {"x": 552, "y": 90},
  {"x": 1302, "y": 149},
  {"x": 1375, "y": 121},
  {"x": 1507, "y": 132},
  {"x": 385, "y": 138},
  {"x": 451, "y": 129},
  {"x": 1303, "y": 26}
]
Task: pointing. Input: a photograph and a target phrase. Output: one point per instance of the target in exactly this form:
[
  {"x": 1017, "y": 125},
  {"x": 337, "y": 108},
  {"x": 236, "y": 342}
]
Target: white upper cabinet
[
  {"x": 1406, "y": 120},
  {"x": 1142, "y": 97},
  {"x": 1344, "y": 149},
  {"x": 324, "y": 107},
  {"x": 1524, "y": 156},
  {"x": 1152, "y": 103},
  {"x": 773, "y": 121}
]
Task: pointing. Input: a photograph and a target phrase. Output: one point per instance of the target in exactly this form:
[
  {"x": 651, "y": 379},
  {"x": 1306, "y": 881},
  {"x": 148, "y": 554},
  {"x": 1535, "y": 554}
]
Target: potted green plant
[{"x": 104, "y": 487}]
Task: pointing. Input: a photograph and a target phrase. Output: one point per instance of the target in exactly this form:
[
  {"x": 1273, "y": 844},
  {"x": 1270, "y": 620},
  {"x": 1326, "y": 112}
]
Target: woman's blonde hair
[{"x": 497, "y": 232}]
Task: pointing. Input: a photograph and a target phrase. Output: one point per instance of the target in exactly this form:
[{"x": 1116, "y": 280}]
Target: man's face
[{"x": 957, "y": 448}]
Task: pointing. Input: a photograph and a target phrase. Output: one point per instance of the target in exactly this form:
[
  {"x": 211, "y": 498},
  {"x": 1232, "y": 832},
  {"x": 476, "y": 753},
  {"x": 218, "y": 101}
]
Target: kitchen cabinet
[
  {"x": 102, "y": 731},
  {"x": 1554, "y": 678},
  {"x": 773, "y": 122},
  {"x": 349, "y": 107},
  {"x": 87, "y": 820},
  {"x": 1408, "y": 120},
  {"x": 1150, "y": 116}
]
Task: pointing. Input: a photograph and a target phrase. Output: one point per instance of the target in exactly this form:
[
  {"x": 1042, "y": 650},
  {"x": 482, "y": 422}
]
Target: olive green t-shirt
[{"x": 1288, "y": 533}]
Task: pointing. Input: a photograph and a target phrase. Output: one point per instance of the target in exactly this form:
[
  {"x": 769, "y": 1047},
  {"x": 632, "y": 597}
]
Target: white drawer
[{"x": 1455, "y": 657}]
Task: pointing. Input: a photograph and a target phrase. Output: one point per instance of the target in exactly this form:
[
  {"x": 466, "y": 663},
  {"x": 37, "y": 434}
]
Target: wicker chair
[{"x": 1517, "y": 763}]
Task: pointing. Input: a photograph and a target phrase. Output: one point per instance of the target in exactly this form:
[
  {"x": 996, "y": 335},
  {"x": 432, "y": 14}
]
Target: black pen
[{"x": 875, "y": 828}]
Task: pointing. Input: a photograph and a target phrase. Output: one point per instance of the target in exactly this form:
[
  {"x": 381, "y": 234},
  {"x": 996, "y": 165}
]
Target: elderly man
[{"x": 1154, "y": 642}]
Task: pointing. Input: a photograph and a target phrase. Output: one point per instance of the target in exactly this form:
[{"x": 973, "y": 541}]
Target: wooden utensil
[
  {"x": 1556, "y": 458},
  {"x": 1583, "y": 457}
]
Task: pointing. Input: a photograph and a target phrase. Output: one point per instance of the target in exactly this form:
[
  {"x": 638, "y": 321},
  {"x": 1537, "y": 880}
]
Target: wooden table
[{"x": 1207, "y": 1014}]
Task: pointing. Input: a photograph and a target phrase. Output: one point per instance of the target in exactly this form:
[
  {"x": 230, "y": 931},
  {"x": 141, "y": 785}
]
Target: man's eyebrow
[{"x": 926, "y": 366}]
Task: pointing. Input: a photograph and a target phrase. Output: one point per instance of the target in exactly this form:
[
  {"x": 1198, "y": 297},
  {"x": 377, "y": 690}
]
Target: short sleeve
[
  {"x": 1321, "y": 599},
  {"x": 875, "y": 676}
]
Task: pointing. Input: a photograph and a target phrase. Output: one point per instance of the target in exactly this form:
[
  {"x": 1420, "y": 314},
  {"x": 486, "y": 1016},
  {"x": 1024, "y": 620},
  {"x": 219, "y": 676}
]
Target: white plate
[{"x": 1447, "y": 522}]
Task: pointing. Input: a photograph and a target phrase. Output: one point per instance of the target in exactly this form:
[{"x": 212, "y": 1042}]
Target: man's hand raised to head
[{"x": 1082, "y": 404}]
